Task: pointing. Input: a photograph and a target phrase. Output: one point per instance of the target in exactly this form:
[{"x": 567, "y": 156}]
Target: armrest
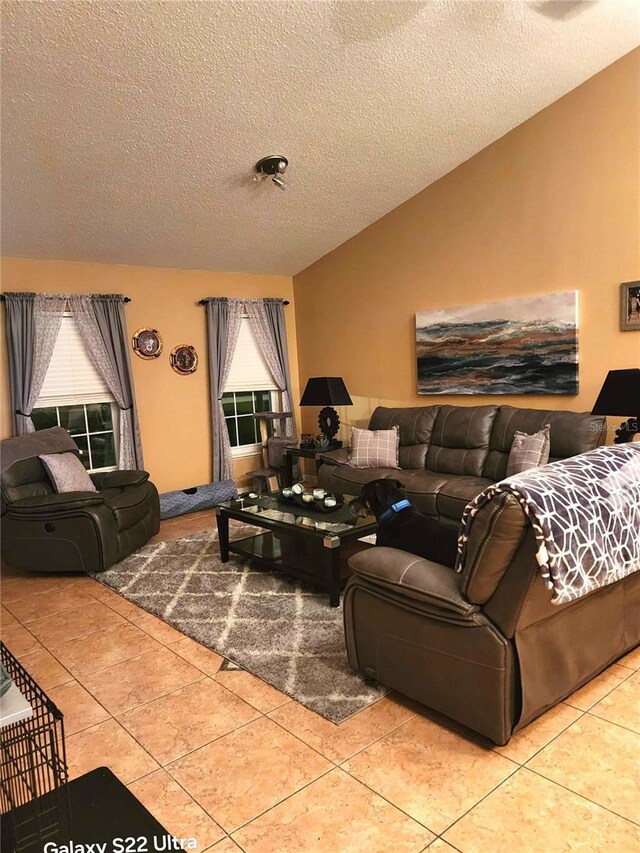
[
  {"x": 334, "y": 457},
  {"x": 56, "y": 503},
  {"x": 414, "y": 577},
  {"x": 118, "y": 479}
]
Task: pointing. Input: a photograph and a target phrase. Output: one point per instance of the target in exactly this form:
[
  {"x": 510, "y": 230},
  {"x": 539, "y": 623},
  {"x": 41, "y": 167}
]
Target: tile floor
[{"x": 225, "y": 758}]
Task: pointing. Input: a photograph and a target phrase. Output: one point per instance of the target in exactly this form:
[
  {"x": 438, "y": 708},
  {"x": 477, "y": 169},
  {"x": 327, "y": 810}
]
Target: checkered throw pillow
[
  {"x": 374, "y": 448},
  {"x": 529, "y": 451}
]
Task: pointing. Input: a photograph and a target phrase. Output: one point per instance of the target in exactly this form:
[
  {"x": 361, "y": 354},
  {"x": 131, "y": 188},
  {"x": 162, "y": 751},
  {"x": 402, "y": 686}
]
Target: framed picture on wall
[
  {"x": 517, "y": 346},
  {"x": 630, "y": 306}
]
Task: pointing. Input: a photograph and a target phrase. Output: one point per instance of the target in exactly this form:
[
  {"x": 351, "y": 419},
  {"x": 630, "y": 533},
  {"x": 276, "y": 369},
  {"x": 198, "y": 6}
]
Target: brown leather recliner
[
  {"x": 484, "y": 649},
  {"x": 71, "y": 531}
]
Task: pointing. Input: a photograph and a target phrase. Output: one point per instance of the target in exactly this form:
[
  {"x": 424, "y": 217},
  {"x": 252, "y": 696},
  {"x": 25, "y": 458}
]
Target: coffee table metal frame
[{"x": 321, "y": 548}]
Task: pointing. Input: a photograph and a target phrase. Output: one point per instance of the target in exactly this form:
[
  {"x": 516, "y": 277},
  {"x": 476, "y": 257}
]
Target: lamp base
[
  {"x": 627, "y": 431},
  {"x": 329, "y": 422}
]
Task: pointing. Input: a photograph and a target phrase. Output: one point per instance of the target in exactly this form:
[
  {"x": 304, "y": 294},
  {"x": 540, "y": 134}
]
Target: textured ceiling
[{"x": 130, "y": 129}]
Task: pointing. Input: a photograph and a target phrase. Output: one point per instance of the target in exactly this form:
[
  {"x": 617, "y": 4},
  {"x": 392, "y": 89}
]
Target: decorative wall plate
[
  {"x": 147, "y": 343},
  {"x": 184, "y": 359}
]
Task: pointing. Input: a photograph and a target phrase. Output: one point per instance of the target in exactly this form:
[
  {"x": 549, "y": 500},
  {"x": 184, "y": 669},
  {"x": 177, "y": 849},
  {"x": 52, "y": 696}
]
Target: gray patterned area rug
[{"x": 278, "y": 629}]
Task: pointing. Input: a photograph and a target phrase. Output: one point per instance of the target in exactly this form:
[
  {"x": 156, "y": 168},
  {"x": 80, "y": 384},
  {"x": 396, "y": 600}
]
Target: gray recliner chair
[{"x": 46, "y": 531}]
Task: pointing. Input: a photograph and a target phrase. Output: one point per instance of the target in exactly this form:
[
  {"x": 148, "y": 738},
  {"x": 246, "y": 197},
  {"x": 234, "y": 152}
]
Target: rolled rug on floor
[{"x": 196, "y": 498}]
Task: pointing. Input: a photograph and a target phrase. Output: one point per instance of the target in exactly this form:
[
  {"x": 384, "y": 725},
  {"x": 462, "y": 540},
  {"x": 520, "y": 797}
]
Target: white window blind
[
  {"x": 249, "y": 370},
  {"x": 71, "y": 375}
]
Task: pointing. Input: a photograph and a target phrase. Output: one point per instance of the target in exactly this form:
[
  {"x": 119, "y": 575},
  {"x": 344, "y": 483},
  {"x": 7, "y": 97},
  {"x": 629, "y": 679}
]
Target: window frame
[
  {"x": 62, "y": 401},
  {"x": 67, "y": 402},
  {"x": 241, "y": 451},
  {"x": 253, "y": 385}
]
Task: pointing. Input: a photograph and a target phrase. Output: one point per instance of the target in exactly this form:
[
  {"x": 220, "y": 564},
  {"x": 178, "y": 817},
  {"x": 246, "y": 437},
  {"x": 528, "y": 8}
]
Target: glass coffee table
[{"x": 298, "y": 541}]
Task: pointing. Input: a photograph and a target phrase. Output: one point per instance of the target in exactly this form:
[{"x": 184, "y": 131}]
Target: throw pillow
[
  {"x": 529, "y": 451},
  {"x": 67, "y": 473},
  {"x": 374, "y": 448}
]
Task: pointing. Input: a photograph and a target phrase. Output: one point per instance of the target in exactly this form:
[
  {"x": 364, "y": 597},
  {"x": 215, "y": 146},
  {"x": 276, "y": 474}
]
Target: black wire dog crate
[{"x": 34, "y": 796}]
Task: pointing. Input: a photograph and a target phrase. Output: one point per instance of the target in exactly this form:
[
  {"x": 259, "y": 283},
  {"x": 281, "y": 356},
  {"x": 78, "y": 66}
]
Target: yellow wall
[
  {"x": 552, "y": 206},
  {"x": 174, "y": 410}
]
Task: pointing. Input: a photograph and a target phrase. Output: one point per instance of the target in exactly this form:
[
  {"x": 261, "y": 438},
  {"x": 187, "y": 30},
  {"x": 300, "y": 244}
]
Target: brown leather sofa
[
  {"x": 71, "y": 531},
  {"x": 449, "y": 454},
  {"x": 485, "y": 649}
]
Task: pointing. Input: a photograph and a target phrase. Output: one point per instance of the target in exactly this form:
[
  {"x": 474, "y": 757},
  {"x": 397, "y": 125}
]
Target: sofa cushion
[
  {"x": 119, "y": 479},
  {"x": 129, "y": 506},
  {"x": 24, "y": 479},
  {"x": 415, "y": 424},
  {"x": 528, "y": 451},
  {"x": 31, "y": 444},
  {"x": 460, "y": 439},
  {"x": 333, "y": 457},
  {"x": 456, "y": 494},
  {"x": 374, "y": 448},
  {"x": 349, "y": 481},
  {"x": 495, "y": 535},
  {"x": 413, "y": 456},
  {"x": 67, "y": 473},
  {"x": 28, "y": 490},
  {"x": 51, "y": 504},
  {"x": 571, "y": 433},
  {"x": 422, "y": 488}
]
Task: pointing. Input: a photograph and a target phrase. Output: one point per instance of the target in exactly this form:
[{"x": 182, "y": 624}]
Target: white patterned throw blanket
[{"x": 585, "y": 512}]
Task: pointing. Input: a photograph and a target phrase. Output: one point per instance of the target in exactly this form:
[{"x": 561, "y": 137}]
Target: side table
[{"x": 291, "y": 453}]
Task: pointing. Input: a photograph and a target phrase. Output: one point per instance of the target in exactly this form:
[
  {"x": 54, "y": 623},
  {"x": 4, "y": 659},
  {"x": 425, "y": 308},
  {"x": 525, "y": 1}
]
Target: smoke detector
[{"x": 272, "y": 167}]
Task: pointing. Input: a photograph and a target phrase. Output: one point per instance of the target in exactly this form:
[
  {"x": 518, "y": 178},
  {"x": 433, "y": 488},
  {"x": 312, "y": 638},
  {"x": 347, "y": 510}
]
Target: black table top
[{"x": 269, "y": 511}]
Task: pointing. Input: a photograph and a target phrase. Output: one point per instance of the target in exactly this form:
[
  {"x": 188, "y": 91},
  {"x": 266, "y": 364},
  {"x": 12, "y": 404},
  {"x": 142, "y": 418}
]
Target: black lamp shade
[
  {"x": 326, "y": 391},
  {"x": 620, "y": 394}
]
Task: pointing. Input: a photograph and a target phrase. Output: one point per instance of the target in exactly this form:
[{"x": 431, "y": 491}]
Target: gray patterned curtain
[
  {"x": 224, "y": 317},
  {"x": 102, "y": 325},
  {"x": 33, "y": 324},
  {"x": 268, "y": 323}
]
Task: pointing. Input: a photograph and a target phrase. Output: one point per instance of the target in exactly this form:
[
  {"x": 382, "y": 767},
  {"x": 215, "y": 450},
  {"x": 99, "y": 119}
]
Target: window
[
  {"x": 239, "y": 406},
  {"x": 74, "y": 396},
  {"x": 90, "y": 425},
  {"x": 250, "y": 388}
]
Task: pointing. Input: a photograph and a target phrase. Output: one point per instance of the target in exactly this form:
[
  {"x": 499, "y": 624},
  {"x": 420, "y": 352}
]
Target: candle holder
[{"x": 325, "y": 503}]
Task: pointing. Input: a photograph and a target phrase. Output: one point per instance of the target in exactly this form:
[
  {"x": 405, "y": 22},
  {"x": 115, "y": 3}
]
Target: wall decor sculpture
[
  {"x": 521, "y": 346},
  {"x": 147, "y": 343},
  {"x": 184, "y": 359}
]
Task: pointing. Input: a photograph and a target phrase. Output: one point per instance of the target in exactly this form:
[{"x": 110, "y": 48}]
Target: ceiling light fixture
[
  {"x": 561, "y": 10},
  {"x": 272, "y": 167}
]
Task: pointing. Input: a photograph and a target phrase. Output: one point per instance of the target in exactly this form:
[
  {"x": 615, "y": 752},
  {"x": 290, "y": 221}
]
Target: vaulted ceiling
[{"x": 130, "y": 129}]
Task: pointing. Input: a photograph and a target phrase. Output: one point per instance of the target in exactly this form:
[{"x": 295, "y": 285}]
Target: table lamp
[
  {"x": 620, "y": 395},
  {"x": 327, "y": 391}
]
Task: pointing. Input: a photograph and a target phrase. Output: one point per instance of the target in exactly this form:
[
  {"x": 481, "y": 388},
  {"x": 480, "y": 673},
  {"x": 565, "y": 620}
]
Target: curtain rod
[
  {"x": 124, "y": 298},
  {"x": 211, "y": 298}
]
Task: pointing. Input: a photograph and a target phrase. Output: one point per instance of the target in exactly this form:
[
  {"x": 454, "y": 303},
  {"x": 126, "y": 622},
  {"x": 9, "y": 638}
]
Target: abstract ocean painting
[{"x": 523, "y": 346}]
